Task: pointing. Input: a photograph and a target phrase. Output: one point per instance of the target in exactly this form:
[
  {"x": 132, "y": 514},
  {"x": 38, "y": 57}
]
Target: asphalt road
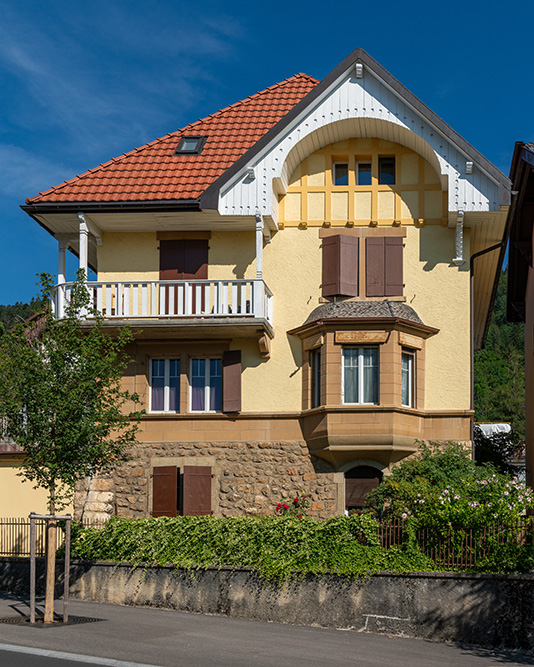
[{"x": 161, "y": 638}]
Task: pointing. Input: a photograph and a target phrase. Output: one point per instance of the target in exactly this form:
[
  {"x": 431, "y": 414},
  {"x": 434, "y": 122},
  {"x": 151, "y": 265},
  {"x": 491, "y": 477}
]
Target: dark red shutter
[
  {"x": 374, "y": 266},
  {"x": 197, "y": 490},
  {"x": 231, "y": 381},
  {"x": 164, "y": 491},
  {"x": 340, "y": 265},
  {"x": 357, "y": 489},
  {"x": 183, "y": 259},
  {"x": 393, "y": 266}
]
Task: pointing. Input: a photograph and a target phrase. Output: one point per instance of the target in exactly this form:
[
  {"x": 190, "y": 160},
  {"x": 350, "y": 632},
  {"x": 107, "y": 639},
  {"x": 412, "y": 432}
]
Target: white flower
[{"x": 404, "y": 515}]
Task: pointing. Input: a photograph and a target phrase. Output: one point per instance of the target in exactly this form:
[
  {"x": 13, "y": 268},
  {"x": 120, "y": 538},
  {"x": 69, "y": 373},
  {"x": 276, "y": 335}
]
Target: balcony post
[
  {"x": 84, "y": 243},
  {"x": 259, "y": 246},
  {"x": 63, "y": 244}
]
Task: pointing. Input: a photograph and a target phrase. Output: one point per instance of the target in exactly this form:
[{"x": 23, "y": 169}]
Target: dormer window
[{"x": 190, "y": 145}]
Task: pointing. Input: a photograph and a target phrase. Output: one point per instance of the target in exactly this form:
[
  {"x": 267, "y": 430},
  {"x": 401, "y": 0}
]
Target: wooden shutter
[
  {"x": 197, "y": 490},
  {"x": 340, "y": 265},
  {"x": 374, "y": 266},
  {"x": 231, "y": 381},
  {"x": 393, "y": 266},
  {"x": 183, "y": 259},
  {"x": 164, "y": 491},
  {"x": 357, "y": 489}
]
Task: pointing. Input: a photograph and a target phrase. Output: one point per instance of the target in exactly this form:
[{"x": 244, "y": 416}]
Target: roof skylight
[{"x": 190, "y": 145}]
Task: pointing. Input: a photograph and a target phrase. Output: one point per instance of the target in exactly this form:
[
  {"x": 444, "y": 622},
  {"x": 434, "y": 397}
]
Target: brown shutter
[
  {"x": 374, "y": 266},
  {"x": 197, "y": 490},
  {"x": 393, "y": 266},
  {"x": 340, "y": 265},
  {"x": 183, "y": 259},
  {"x": 164, "y": 491},
  {"x": 357, "y": 489},
  {"x": 231, "y": 381}
]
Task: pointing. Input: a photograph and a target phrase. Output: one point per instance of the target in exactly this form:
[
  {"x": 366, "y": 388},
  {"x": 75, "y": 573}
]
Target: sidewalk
[{"x": 169, "y": 638}]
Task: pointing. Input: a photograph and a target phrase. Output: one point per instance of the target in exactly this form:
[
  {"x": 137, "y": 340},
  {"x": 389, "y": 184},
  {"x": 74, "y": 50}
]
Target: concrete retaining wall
[{"x": 489, "y": 610}]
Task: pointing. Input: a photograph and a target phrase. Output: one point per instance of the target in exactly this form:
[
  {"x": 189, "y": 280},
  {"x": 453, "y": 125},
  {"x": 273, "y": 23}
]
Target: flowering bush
[
  {"x": 295, "y": 506},
  {"x": 442, "y": 486}
]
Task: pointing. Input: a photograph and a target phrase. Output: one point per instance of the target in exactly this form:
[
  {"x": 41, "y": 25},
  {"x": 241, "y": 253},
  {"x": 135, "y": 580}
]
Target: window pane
[
  {"x": 341, "y": 173},
  {"x": 174, "y": 385},
  {"x": 407, "y": 361},
  {"x": 315, "y": 372},
  {"x": 215, "y": 384},
  {"x": 350, "y": 375},
  {"x": 189, "y": 144},
  {"x": 198, "y": 382},
  {"x": 364, "y": 173},
  {"x": 370, "y": 375},
  {"x": 386, "y": 170},
  {"x": 158, "y": 385}
]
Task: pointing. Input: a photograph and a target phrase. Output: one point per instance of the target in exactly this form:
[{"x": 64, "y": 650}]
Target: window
[
  {"x": 185, "y": 490},
  {"x": 341, "y": 173},
  {"x": 206, "y": 385},
  {"x": 386, "y": 171},
  {"x": 408, "y": 377},
  {"x": 164, "y": 385},
  {"x": 360, "y": 375},
  {"x": 191, "y": 145},
  {"x": 363, "y": 173},
  {"x": 315, "y": 377}
]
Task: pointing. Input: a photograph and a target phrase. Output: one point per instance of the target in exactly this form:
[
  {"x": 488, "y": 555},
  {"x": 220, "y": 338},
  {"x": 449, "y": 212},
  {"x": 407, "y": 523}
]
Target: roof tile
[{"x": 154, "y": 172}]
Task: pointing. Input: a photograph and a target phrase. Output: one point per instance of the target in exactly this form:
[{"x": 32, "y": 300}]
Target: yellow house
[{"x": 297, "y": 269}]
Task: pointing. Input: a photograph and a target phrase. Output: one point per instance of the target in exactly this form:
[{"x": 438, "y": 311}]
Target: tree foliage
[
  {"x": 499, "y": 382},
  {"x": 11, "y": 314},
  {"x": 61, "y": 399},
  {"x": 499, "y": 449}
]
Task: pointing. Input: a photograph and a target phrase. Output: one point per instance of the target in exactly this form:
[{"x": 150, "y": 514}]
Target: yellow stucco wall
[
  {"x": 128, "y": 256},
  {"x": 18, "y": 497},
  {"x": 437, "y": 289},
  {"x": 439, "y": 293}
]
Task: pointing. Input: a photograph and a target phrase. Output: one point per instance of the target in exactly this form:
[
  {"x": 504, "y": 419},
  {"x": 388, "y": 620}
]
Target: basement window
[{"x": 191, "y": 145}]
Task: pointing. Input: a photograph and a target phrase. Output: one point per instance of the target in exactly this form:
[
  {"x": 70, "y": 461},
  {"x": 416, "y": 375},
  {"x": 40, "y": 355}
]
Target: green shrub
[{"x": 279, "y": 547}]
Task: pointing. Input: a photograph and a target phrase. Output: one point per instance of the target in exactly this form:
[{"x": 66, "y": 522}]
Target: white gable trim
[{"x": 357, "y": 107}]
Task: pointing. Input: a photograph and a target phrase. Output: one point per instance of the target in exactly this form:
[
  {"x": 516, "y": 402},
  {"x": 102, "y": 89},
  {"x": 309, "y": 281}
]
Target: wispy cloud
[
  {"x": 106, "y": 78},
  {"x": 25, "y": 174}
]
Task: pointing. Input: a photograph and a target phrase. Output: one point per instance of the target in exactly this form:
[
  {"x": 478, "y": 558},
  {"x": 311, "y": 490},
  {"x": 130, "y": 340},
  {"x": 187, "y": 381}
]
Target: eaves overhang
[
  {"x": 388, "y": 322},
  {"x": 210, "y": 198}
]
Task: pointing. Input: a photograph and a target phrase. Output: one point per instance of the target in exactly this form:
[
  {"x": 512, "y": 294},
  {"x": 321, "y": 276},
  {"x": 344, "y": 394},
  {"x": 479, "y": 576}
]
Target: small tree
[{"x": 62, "y": 402}]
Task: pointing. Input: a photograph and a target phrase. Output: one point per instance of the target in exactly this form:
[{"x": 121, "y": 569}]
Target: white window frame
[
  {"x": 207, "y": 385},
  {"x": 360, "y": 349},
  {"x": 315, "y": 377},
  {"x": 410, "y": 354},
  {"x": 358, "y": 163},
  {"x": 166, "y": 386}
]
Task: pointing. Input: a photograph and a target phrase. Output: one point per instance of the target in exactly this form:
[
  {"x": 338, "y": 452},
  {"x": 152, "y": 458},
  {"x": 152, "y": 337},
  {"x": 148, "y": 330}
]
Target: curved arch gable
[{"x": 359, "y": 128}]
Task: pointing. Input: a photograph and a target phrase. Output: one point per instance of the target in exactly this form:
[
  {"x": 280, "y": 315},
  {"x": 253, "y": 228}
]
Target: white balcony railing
[{"x": 174, "y": 299}]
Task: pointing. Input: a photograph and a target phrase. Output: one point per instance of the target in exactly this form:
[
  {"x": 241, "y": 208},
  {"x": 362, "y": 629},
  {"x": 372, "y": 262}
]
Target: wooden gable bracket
[{"x": 264, "y": 343}]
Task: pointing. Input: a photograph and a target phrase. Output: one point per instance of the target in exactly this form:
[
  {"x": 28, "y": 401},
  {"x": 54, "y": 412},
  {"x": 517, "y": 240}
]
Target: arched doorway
[{"x": 359, "y": 481}]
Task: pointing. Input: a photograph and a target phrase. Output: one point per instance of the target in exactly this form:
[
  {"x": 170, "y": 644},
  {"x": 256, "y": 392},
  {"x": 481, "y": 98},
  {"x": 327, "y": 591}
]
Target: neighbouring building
[
  {"x": 521, "y": 278},
  {"x": 297, "y": 266}
]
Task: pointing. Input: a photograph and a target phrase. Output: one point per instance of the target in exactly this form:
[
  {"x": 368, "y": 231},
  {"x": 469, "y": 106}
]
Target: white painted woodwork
[
  {"x": 208, "y": 299},
  {"x": 353, "y": 107},
  {"x": 83, "y": 243}
]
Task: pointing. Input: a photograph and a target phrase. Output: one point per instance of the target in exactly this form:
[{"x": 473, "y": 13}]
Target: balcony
[{"x": 235, "y": 307}]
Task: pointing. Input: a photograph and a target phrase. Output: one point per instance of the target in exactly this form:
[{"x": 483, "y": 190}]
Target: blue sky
[{"x": 81, "y": 82}]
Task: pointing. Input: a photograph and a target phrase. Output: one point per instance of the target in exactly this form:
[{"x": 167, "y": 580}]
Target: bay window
[
  {"x": 360, "y": 375},
  {"x": 408, "y": 377}
]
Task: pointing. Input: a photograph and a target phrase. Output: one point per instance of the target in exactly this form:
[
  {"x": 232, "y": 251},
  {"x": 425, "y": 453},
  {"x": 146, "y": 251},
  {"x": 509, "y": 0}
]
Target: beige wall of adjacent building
[{"x": 17, "y": 496}]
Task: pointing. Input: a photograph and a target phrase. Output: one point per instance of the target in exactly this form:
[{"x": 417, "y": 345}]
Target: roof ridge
[{"x": 178, "y": 132}]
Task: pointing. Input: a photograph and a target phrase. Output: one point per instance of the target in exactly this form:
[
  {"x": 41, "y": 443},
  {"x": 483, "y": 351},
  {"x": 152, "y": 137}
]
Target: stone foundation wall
[{"x": 248, "y": 478}]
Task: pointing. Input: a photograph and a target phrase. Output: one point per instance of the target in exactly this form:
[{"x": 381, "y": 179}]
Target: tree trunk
[{"x": 50, "y": 567}]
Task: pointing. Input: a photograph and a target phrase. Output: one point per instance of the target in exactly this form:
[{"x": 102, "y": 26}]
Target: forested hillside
[
  {"x": 500, "y": 369},
  {"x": 9, "y": 315}
]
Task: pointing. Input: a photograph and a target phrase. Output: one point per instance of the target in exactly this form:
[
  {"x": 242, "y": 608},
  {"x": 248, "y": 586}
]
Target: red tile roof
[{"x": 153, "y": 172}]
